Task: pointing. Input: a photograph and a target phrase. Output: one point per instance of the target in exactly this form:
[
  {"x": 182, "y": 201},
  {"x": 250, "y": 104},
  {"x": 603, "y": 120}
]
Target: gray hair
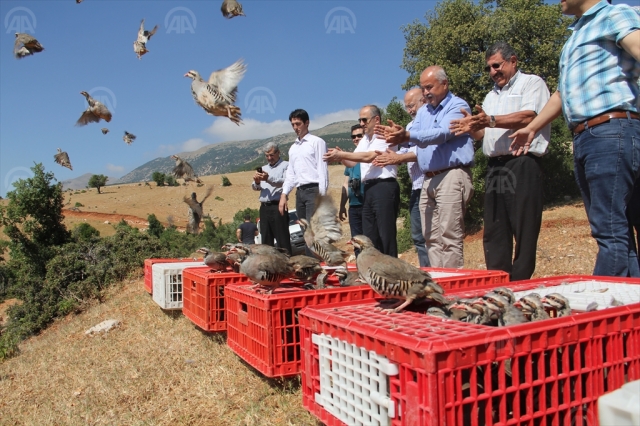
[
  {"x": 374, "y": 110},
  {"x": 271, "y": 145},
  {"x": 503, "y": 48},
  {"x": 441, "y": 75}
]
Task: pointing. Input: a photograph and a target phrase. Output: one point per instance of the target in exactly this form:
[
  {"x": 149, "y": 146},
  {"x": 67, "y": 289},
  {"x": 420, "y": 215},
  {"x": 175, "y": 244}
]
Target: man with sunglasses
[
  {"x": 381, "y": 189},
  {"x": 446, "y": 160},
  {"x": 353, "y": 190},
  {"x": 513, "y": 186},
  {"x": 598, "y": 95}
]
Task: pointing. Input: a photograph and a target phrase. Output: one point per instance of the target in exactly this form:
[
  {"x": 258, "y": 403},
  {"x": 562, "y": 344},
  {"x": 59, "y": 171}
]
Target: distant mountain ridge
[
  {"x": 81, "y": 182},
  {"x": 235, "y": 156}
]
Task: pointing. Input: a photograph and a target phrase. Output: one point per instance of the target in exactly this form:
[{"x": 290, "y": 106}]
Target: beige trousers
[{"x": 443, "y": 203}]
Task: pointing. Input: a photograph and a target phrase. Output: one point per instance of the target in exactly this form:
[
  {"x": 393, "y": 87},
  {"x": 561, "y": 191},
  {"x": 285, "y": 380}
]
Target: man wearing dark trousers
[
  {"x": 381, "y": 189},
  {"x": 269, "y": 180},
  {"x": 513, "y": 195},
  {"x": 353, "y": 191}
]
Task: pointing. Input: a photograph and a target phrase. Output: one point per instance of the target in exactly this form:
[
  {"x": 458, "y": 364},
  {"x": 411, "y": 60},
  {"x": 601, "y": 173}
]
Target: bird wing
[
  {"x": 62, "y": 158},
  {"x": 226, "y": 80},
  {"x": 324, "y": 222},
  {"x": 193, "y": 204},
  {"x": 87, "y": 117},
  {"x": 207, "y": 194},
  {"x": 225, "y": 9},
  {"x": 183, "y": 169},
  {"x": 141, "y": 37},
  {"x": 152, "y": 32}
]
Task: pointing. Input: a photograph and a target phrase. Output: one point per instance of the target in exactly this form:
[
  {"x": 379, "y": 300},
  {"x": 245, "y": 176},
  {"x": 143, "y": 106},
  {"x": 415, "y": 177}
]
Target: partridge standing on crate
[
  {"x": 323, "y": 231},
  {"x": 394, "y": 278},
  {"x": 215, "y": 260},
  {"x": 266, "y": 268}
]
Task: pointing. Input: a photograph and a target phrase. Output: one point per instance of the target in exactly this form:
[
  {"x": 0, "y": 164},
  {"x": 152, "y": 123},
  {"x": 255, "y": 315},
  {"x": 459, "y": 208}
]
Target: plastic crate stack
[
  {"x": 263, "y": 328},
  {"x": 362, "y": 367},
  {"x": 148, "y": 273},
  {"x": 167, "y": 283}
]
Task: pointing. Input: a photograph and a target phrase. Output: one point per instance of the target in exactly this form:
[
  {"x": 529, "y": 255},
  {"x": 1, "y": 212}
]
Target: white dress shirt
[
  {"x": 524, "y": 92},
  {"x": 306, "y": 164},
  {"x": 416, "y": 175},
  {"x": 369, "y": 171}
]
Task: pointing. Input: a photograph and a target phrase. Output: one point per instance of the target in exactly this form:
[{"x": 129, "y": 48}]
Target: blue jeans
[
  {"x": 607, "y": 164},
  {"x": 416, "y": 228}
]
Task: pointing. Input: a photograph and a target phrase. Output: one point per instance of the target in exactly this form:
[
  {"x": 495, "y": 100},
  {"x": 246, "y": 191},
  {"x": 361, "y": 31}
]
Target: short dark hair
[
  {"x": 299, "y": 113},
  {"x": 247, "y": 217},
  {"x": 503, "y": 48},
  {"x": 355, "y": 127}
]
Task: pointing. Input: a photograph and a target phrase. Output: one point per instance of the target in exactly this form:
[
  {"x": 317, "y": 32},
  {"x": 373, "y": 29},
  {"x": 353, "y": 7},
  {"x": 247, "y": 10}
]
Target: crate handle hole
[{"x": 243, "y": 307}]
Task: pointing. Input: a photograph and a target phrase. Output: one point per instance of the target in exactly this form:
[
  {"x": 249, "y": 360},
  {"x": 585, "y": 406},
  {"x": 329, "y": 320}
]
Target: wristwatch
[{"x": 492, "y": 121}]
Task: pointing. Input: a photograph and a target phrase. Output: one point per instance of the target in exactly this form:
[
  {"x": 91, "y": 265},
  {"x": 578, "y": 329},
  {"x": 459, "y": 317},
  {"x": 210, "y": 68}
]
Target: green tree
[
  {"x": 159, "y": 178},
  {"x": 155, "y": 227},
  {"x": 171, "y": 181},
  {"x": 97, "y": 181},
  {"x": 85, "y": 232},
  {"x": 226, "y": 181}
]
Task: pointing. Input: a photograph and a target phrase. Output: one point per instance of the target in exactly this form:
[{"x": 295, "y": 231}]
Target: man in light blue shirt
[
  {"x": 446, "y": 161},
  {"x": 598, "y": 96}
]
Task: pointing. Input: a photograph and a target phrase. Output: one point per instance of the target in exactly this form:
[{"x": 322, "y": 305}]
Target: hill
[
  {"x": 81, "y": 182},
  {"x": 236, "y": 156}
]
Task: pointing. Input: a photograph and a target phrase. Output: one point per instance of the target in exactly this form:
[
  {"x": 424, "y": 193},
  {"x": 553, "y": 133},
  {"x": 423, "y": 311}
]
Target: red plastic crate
[
  {"x": 148, "y": 272},
  {"x": 460, "y": 279},
  {"x": 203, "y": 296},
  {"x": 453, "y": 373}
]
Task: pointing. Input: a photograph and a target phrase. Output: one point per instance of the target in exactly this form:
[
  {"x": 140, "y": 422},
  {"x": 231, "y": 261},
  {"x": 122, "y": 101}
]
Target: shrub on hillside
[{"x": 226, "y": 181}]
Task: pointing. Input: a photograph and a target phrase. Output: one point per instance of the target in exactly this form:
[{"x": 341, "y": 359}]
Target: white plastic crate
[
  {"x": 354, "y": 385},
  {"x": 437, "y": 274},
  {"x": 583, "y": 294},
  {"x": 620, "y": 407},
  {"x": 167, "y": 283}
]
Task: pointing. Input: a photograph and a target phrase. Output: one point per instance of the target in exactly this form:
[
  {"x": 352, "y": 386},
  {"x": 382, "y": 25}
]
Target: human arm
[
  {"x": 349, "y": 159},
  {"x": 433, "y": 128},
  {"x": 631, "y": 44},
  {"x": 394, "y": 134},
  {"x": 239, "y": 234},
  {"x": 342, "y": 215},
  {"x": 522, "y": 138},
  {"x": 323, "y": 170},
  {"x": 389, "y": 158}
]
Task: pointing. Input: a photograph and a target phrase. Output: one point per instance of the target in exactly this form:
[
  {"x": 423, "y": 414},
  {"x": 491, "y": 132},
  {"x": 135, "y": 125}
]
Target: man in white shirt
[
  {"x": 307, "y": 171},
  {"x": 381, "y": 189},
  {"x": 513, "y": 196}
]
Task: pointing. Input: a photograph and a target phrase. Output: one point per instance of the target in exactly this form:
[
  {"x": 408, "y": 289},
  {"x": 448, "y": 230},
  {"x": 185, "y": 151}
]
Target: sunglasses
[
  {"x": 357, "y": 136},
  {"x": 363, "y": 120},
  {"x": 494, "y": 66}
]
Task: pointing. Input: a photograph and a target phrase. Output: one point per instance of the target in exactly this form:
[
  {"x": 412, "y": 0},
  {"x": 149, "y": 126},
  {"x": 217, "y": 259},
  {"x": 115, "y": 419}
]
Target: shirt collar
[
  {"x": 509, "y": 84},
  {"x": 276, "y": 164},
  {"x": 592, "y": 11},
  {"x": 442, "y": 104},
  {"x": 298, "y": 140}
]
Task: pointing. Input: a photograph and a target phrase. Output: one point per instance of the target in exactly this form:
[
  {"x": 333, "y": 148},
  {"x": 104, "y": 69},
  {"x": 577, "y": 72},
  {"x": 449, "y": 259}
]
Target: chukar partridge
[
  {"x": 62, "y": 158},
  {"x": 26, "y": 45},
  {"x": 184, "y": 170},
  {"x": 94, "y": 113},
  {"x": 231, "y": 8},
  {"x": 140, "y": 45},
  {"x": 323, "y": 231},
  {"x": 128, "y": 138},
  {"x": 215, "y": 260}
]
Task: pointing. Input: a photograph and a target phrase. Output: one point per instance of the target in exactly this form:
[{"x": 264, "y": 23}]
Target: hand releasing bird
[
  {"x": 184, "y": 170},
  {"x": 104, "y": 130},
  {"x": 218, "y": 95},
  {"x": 195, "y": 211},
  {"x": 231, "y": 8},
  {"x": 94, "y": 112},
  {"x": 140, "y": 45},
  {"x": 394, "y": 278},
  {"x": 128, "y": 137},
  {"x": 323, "y": 231},
  {"x": 26, "y": 45},
  {"x": 62, "y": 158}
]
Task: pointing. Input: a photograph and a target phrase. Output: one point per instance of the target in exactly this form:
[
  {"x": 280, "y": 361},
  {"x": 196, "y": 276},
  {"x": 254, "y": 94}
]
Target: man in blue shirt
[
  {"x": 598, "y": 96},
  {"x": 446, "y": 161},
  {"x": 353, "y": 190}
]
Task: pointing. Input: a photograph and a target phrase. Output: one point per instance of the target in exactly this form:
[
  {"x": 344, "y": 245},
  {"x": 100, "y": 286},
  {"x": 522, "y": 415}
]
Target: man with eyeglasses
[
  {"x": 307, "y": 171},
  {"x": 598, "y": 95},
  {"x": 513, "y": 189},
  {"x": 413, "y": 101},
  {"x": 269, "y": 180},
  {"x": 353, "y": 191},
  {"x": 446, "y": 160},
  {"x": 381, "y": 189}
]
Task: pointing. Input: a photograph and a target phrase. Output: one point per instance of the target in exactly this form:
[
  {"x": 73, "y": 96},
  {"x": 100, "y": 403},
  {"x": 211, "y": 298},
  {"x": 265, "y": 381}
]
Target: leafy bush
[
  {"x": 171, "y": 181},
  {"x": 159, "y": 178},
  {"x": 226, "y": 181},
  {"x": 155, "y": 227},
  {"x": 85, "y": 232},
  {"x": 79, "y": 204}
]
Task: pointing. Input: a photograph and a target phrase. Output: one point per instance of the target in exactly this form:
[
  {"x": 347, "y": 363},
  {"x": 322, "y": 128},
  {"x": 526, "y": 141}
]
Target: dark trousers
[
  {"x": 512, "y": 210},
  {"x": 379, "y": 214},
  {"x": 355, "y": 223},
  {"x": 306, "y": 205},
  {"x": 416, "y": 228},
  {"x": 274, "y": 225}
]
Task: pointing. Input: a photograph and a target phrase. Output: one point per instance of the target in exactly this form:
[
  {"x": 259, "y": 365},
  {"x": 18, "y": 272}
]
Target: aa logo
[
  {"x": 15, "y": 175},
  {"x": 260, "y": 100},
  {"x": 180, "y": 20},
  {"x": 20, "y": 20},
  {"x": 340, "y": 20},
  {"x": 501, "y": 180},
  {"x": 105, "y": 96}
]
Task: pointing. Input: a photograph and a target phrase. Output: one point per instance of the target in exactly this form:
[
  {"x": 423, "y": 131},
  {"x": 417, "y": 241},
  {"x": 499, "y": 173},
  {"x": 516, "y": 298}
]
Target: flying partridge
[
  {"x": 231, "y": 8},
  {"x": 104, "y": 130},
  {"x": 62, "y": 158},
  {"x": 140, "y": 45},
  {"x": 94, "y": 113},
  {"x": 218, "y": 95},
  {"x": 26, "y": 45},
  {"x": 184, "y": 170},
  {"x": 128, "y": 137},
  {"x": 323, "y": 231}
]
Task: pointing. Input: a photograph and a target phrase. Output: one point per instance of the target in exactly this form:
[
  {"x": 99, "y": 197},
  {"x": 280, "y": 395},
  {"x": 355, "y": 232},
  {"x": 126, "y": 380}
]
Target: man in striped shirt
[
  {"x": 513, "y": 194},
  {"x": 598, "y": 96}
]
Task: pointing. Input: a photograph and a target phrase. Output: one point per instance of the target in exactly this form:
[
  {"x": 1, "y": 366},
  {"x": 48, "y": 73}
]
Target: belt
[
  {"x": 603, "y": 118},
  {"x": 438, "y": 172},
  {"x": 308, "y": 185},
  {"x": 270, "y": 203},
  {"x": 505, "y": 158},
  {"x": 377, "y": 180}
]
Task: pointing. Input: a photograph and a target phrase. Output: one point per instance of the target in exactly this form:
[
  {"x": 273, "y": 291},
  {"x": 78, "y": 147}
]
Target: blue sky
[{"x": 293, "y": 61}]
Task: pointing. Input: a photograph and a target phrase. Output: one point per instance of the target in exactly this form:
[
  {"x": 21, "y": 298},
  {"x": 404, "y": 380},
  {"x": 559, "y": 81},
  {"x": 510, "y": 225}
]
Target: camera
[
  {"x": 354, "y": 184},
  {"x": 259, "y": 169}
]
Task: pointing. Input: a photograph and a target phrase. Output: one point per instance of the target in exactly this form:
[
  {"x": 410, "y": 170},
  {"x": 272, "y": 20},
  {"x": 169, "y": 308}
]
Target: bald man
[
  {"x": 413, "y": 101},
  {"x": 446, "y": 160}
]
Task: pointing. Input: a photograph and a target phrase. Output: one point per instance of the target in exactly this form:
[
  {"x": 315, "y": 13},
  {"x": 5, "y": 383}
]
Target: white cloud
[
  {"x": 112, "y": 168},
  {"x": 223, "y": 129}
]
